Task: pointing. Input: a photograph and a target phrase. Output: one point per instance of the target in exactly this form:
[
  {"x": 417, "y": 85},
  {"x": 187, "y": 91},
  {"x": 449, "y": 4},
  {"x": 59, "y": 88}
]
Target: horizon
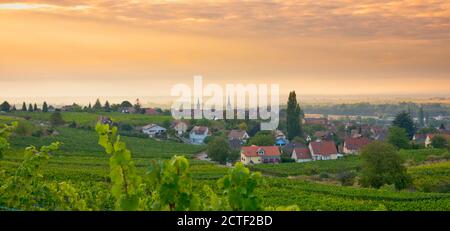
[{"x": 89, "y": 48}]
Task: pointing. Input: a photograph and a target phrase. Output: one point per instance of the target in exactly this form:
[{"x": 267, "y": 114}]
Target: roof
[
  {"x": 235, "y": 144},
  {"x": 290, "y": 147},
  {"x": 251, "y": 151},
  {"x": 324, "y": 148},
  {"x": 447, "y": 136},
  {"x": 236, "y": 134},
  {"x": 420, "y": 137},
  {"x": 356, "y": 143},
  {"x": 199, "y": 130},
  {"x": 151, "y": 111},
  {"x": 153, "y": 126},
  {"x": 302, "y": 153}
]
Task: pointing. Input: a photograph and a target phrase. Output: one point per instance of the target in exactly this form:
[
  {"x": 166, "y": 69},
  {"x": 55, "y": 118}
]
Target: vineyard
[{"x": 81, "y": 169}]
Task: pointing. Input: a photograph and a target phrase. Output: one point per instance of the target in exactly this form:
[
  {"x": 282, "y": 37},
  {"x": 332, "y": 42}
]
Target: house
[
  {"x": 323, "y": 150},
  {"x": 280, "y": 141},
  {"x": 260, "y": 154},
  {"x": 323, "y": 135},
  {"x": 420, "y": 138},
  {"x": 152, "y": 111},
  {"x": 127, "y": 110},
  {"x": 153, "y": 130},
  {"x": 430, "y": 137},
  {"x": 180, "y": 126},
  {"x": 280, "y": 138},
  {"x": 354, "y": 145},
  {"x": 288, "y": 148},
  {"x": 301, "y": 155},
  {"x": 316, "y": 121},
  {"x": 198, "y": 134},
  {"x": 238, "y": 135}
]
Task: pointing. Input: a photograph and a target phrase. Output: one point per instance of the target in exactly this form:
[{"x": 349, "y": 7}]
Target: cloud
[{"x": 413, "y": 19}]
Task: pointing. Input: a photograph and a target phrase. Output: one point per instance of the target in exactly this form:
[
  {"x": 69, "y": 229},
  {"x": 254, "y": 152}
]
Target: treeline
[
  {"x": 125, "y": 107},
  {"x": 368, "y": 109}
]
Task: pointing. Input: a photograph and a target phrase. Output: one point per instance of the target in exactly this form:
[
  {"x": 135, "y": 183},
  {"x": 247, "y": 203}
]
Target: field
[{"x": 83, "y": 163}]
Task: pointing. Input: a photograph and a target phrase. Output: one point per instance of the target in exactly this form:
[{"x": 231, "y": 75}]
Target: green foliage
[
  {"x": 44, "y": 107},
  {"x": 262, "y": 138},
  {"x": 382, "y": 165},
  {"x": 347, "y": 178},
  {"x": 404, "y": 120},
  {"x": 56, "y": 119},
  {"x": 5, "y": 106},
  {"x": 439, "y": 141},
  {"x": 294, "y": 114},
  {"x": 172, "y": 184},
  {"x": 431, "y": 178},
  {"x": 125, "y": 181},
  {"x": 398, "y": 137},
  {"x": 5, "y": 132},
  {"x": 24, "y": 128},
  {"x": 219, "y": 150},
  {"x": 239, "y": 188}
]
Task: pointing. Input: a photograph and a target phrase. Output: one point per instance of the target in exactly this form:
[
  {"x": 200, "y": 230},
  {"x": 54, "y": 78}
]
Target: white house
[
  {"x": 153, "y": 130},
  {"x": 301, "y": 155},
  {"x": 324, "y": 150},
  {"x": 180, "y": 127},
  {"x": 198, "y": 134},
  {"x": 238, "y": 135}
]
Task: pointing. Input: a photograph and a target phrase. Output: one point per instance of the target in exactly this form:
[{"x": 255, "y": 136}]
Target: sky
[{"x": 84, "y": 48}]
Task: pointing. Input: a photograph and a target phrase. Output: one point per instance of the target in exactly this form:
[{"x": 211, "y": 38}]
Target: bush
[
  {"x": 324, "y": 175},
  {"x": 383, "y": 165},
  {"x": 24, "y": 128},
  {"x": 347, "y": 178}
]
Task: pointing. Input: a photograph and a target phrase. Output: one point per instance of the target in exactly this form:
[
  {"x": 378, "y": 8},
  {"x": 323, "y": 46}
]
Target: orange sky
[{"x": 140, "y": 48}]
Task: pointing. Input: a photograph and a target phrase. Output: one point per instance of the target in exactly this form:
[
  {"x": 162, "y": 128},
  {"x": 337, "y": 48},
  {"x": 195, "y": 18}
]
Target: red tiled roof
[
  {"x": 199, "y": 130},
  {"x": 252, "y": 151},
  {"x": 151, "y": 111},
  {"x": 324, "y": 148},
  {"x": 236, "y": 134},
  {"x": 302, "y": 153},
  {"x": 356, "y": 143}
]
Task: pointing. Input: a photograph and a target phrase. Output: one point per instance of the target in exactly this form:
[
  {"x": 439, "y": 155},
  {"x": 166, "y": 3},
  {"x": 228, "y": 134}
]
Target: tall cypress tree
[
  {"x": 45, "y": 107},
  {"x": 24, "y": 106},
  {"x": 405, "y": 121},
  {"x": 421, "y": 117},
  {"x": 294, "y": 116},
  {"x": 107, "y": 107},
  {"x": 30, "y": 107},
  {"x": 35, "y": 108},
  {"x": 97, "y": 105}
]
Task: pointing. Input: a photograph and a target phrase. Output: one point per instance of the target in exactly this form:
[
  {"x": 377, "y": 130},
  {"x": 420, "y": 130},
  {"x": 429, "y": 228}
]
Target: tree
[
  {"x": 30, "y": 107},
  {"x": 126, "y": 104},
  {"x": 398, "y": 137},
  {"x": 243, "y": 126},
  {"x": 262, "y": 138},
  {"x": 97, "y": 105},
  {"x": 107, "y": 107},
  {"x": 421, "y": 117},
  {"x": 13, "y": 108},
  {"x": 404, "y": 120},
  {"x": 24, "y": 106},
  {"x": 381, "y": 164},
  {"x": 293, "y": 113},
  {"x": 439, "y": 141},
  {"x": 5, "y": 106},
  {"x": 90, "y": 106},
  {"x": 45, "y": 107},
  {"x": 56, "y": 119},
  {"x": 35, "y": 108},
  {"x": 219, "y": 150}
]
